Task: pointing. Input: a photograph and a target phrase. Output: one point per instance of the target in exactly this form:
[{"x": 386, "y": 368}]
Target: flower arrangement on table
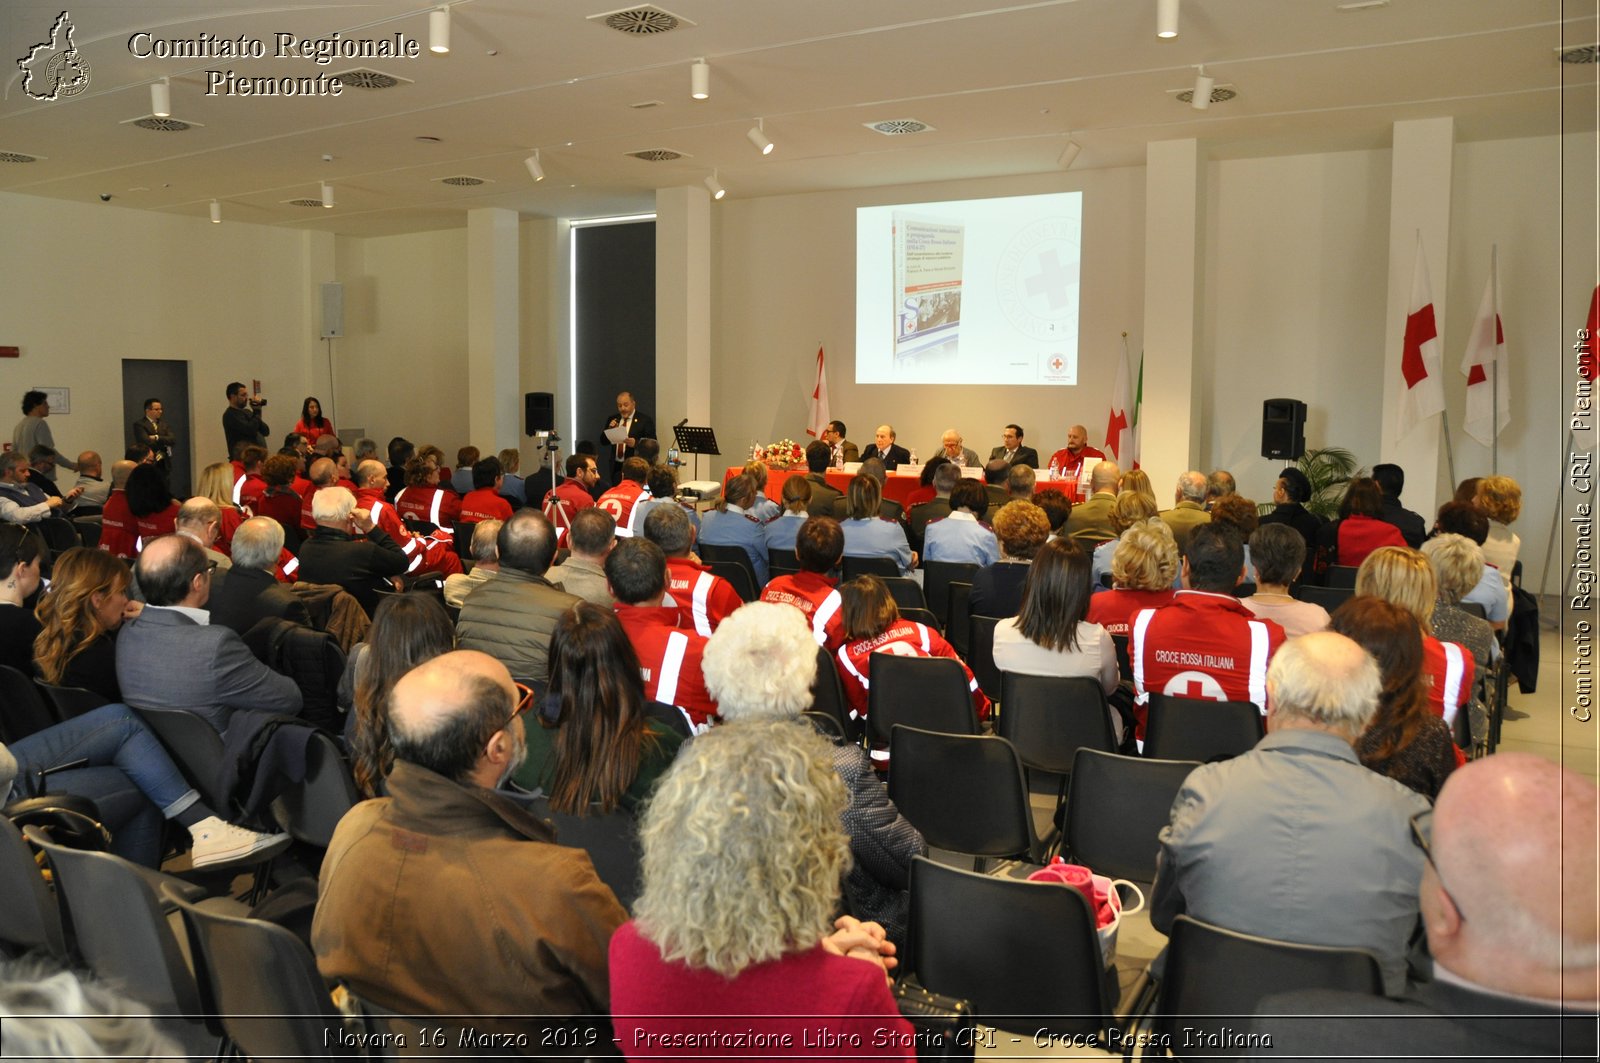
[{"x": 784, "y": 453}]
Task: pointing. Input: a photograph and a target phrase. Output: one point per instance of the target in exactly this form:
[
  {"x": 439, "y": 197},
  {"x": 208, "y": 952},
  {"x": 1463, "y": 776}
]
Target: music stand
[{"x": 696, "y": 440}]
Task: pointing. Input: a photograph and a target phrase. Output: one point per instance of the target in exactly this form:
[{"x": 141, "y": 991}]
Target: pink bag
[{"x": 1103, "y": 897}]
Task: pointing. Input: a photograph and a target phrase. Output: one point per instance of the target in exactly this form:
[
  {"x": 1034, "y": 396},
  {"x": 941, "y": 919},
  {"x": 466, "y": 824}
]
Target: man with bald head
[
  {"x": 886, "y": 450},
  {"x": 951, "y": 445},
  {"x": 1508, "y": 901},
  {"x": 481, "y": 912},
  {"x": 1296, "y": 840},
  {"x": 1090, "y": 522},
  {"x": 91, "y": 479},
  {"x": 1188, "y": 506},
  {"x": 424, "y": 553},
  {"x": 513, "y": 613},
  {"x": 1068, "y": 462},
  {"x": 324, "y": 472}
]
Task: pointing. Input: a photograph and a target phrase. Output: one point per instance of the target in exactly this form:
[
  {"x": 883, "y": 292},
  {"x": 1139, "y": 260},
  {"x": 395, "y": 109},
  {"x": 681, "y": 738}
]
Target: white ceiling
[{"x": 1001, "y": 85}]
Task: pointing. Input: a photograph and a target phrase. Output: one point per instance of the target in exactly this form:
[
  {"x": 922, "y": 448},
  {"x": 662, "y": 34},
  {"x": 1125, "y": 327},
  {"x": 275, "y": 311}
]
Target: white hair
[
  {"x": 332, "y": 505},
  {"x": 761, "y": 662},
  {"x": 1327, "y": 679},
  {"x": 257, "y": 543},
  {"x": 51, "y": 1014}
]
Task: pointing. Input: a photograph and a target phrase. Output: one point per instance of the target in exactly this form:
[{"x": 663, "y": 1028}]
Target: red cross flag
[
  {"x": 819, "y": 401},
  {"x": 1118, "y": 435},
  {"x": 1487, "y": 369},
  {"x": 1420, "y": 361}
]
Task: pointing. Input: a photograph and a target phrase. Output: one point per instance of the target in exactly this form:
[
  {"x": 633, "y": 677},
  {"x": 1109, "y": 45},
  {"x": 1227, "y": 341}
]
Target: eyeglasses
[
  {"x": 524, "y": 702},
  {"x": 1422, "y": 835}
]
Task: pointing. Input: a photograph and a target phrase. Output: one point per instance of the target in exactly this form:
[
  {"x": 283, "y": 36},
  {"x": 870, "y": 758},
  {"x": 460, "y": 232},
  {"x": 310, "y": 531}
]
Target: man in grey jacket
[{"x": 512, "y": 616}]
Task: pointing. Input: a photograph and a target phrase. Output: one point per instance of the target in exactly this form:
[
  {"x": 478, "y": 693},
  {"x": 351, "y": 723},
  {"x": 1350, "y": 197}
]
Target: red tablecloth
[{"x": 897, "y": 487}]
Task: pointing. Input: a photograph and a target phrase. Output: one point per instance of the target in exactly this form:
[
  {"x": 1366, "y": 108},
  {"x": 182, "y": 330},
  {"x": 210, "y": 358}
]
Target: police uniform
[
  {"x": 960, "y": 537},
  {"x": 734, "y": 527},
  {"x": 876, "y": 537}
]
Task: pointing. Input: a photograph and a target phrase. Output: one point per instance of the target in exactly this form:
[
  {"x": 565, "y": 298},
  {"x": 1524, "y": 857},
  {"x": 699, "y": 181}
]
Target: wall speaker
[
  {"x": 538, "y": 412},
  {"x": 332, "y": 311},
  {"x": 1283, "y": 429}
]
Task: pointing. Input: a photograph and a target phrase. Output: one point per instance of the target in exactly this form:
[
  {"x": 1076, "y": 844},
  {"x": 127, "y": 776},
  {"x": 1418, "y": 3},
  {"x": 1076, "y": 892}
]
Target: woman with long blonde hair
[
  {"x": 216, "y": 483},
  {"x": 1403, "y": 577},
  {"x": 79, "y": 618}
]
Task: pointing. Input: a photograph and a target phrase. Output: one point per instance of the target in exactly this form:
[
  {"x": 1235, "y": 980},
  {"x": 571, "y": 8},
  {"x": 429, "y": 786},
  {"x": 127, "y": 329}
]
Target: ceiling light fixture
[
  {"x": 535, "y": 171},
  {"x": 758, "y": 137},
  {"x": 714, "y": 187},
  {"x": 700, "y": 80},
  {"x": 1069, "y": 154},
  {"x": 327, "y": 195},
  {"x": 161, "y": 98},
  {"x": 1203, "y": 83},
  {"x": 439, "y": 30},
  {"x": 216, "y": 213},
  {"x": 1166, "y": 18}
]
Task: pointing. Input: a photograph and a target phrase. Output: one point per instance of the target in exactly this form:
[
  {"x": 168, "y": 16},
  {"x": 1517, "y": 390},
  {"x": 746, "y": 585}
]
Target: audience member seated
[
  {"x": 461, "y": 481},
  {"x": 943, "y": 479},
  {"x": 335, "y": 553},
  {"x": 764, "y": 509},
  {"x": 435, "y": 552},
  {"x": 621, "y": 501},
  {"x": 22, "y": 556},
  {"x": 111, "y": 758},
  {"x": 1058, "y": 509},
  {"x": 1333, "y": 866},
  {"x": 1050, "y": 635},
  {"x": 1279, "y": 555},
  {"x": 91, "y": 479},
  {"x": 1404, "y": 740},
  {"x": 823, "y": 497},
  {"x": 1391, "y": 480},
  {"x": 866, "y": 534},
  {"x": 1401, "y": 575},
  {"x": 1235, "y": 511},
  {"x": 171, "y": 656},
  {"x": 522, "y": 944},
  {"x": 888, "y": 508},
  {"x": 483, "y": 502},
  {"x": 1289, "y": 497},
  {"x": 583, "y": 573},
  {"x": 1020, "y": 483},
  {"x": 781, "y": 530},
  {"x": 1514, "y": 955},
  {"x": 662, "y": 484},
  {"x": 150, "y": 500},
  {"x": 996, "y": 475},
  {"x": 1090, "y": 521},
  {"x": 248, "y": 491},
  {"x": 422, "y": 498},
  {"x": 280, "y": 501},
  {"x": 1205, "y": 644},
  {"x": 1360, "y": 528},
  {"x": 1189, "y": 507},
  {"x": 1021, "y": 529},
  {"x": 510, "y": 617},
  {"x": 873, "y": 625},
  {"x": 1464, "y": 518},
  {"x": 79, "y": 618},
  {"x": 52, "y": 1013},
  {"x": 925, "y": 491},
  {"x": 1457, "y": 563},
  {"x": 563, "y": 501},
  {"x": 1143, "y": 570},
  {"x": 761, "y": 666},
  {"x": 119, "y": 532},
  {"x": 513, "y": 486},
  {"x": 401, "y": 450},
  {"x": 703, "y": 598},
  {"x": 251, "y": 593},
  {"x": 1138, "y": 481},
  {"x": 1130, "y": 508},
  {"x": 407, "y": 630},
  {"x": 594, "y": 742},
  {"x": 669, "y": 656},
  {"x": 819, "y": 547},
  {"x": 21, "y": 500},
  {"x": 740, "y": 803},
  {"x": 1220, "y": 484},
  {"x": 1500, "y": 498},
  {"x": 323, "y": 473},
  {"x": 734, "y": 523},
  {"x": 200, "y": 519}
]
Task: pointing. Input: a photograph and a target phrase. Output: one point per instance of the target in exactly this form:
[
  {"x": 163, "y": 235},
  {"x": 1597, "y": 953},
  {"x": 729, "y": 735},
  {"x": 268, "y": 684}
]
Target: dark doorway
[
  {"x": 614, "y": 316},
  {"x": 167, "y": 380}
]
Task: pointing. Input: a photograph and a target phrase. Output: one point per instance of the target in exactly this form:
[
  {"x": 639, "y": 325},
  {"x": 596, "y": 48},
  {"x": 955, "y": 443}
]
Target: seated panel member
[
  {"x": 886, "y": 450},
  {"x": 840, "y": 449},
  {"x": 1067, "y": 463},
  {"x": 951, "y": 445},
  {"x": 1011, "y": 449}
]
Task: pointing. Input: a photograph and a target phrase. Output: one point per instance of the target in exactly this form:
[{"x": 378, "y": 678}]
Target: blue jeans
[{"x": 127, "y": 774}]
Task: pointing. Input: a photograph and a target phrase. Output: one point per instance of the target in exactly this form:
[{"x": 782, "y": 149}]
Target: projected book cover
[{"x": 927, "y": 283}]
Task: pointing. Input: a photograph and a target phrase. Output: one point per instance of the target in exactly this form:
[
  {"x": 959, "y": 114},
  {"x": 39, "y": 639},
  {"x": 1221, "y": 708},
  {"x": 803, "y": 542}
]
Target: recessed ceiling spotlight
[
  {"x": 1166, "y": 18},
  {"x": 700, "y": 80}
]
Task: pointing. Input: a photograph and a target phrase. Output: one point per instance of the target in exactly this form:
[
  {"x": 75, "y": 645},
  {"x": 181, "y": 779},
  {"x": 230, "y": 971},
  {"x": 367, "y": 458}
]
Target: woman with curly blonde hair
[
  {"x": 87, "y": 602},
  {"x": 1500, "y": 498},
  {"x": 1143, "y": 570},
  {"x": 743, "y": 855},
  {"x": 1403, "y": 577},
  {"x": 1131, "y": 508}
]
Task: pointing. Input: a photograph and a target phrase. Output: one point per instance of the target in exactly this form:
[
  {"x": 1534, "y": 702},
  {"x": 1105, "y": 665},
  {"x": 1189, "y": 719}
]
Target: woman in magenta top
[
  {"x": 1142, "y": 572},
  {"x": 733, "y": 952},
  {"x": 312, "y": 424}
]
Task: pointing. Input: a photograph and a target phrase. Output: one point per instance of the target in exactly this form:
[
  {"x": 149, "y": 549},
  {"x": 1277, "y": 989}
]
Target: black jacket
[
  {"x": 250, "y": 595},
  {"x": 360, "y": 566}
]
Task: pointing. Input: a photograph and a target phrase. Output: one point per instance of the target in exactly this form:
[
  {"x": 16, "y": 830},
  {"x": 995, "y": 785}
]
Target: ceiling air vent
[
  {"x": 17, "y": 156},
  {"x": 1217, "y": 95},
  {"x": 898, "y": 127},
  {"x": 304, "y": 203},
  {"x": 657, "y": 155},
  {"x": 1583, "y": 55},
  {"x": 370, "y": 79},
  {"x": 162, "y": 125},
  {"x": 642, "y": 20},
  {"x": 461, "y": 182}
]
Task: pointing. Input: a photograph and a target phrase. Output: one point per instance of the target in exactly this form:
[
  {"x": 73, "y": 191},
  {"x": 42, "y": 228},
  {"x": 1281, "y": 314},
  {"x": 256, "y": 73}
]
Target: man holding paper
[{"x": 624, "y": 430}]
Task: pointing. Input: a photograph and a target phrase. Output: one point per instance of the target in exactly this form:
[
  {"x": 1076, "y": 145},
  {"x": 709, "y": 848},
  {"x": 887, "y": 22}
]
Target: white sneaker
[{"x": 217, "y": 842}]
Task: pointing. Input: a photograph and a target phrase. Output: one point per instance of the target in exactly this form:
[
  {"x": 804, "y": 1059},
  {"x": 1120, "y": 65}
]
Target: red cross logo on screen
[{"x": 1057, "y": 364}]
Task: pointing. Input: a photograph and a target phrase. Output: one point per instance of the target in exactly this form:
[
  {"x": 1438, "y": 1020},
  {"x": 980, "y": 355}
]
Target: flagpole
[{"x": 1494, "y": 381}]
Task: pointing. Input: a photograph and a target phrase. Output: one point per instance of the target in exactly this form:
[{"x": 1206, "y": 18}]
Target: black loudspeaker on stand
[
  {"x": 538, "y": 412},
  {"x": 1283, "y": 429}
]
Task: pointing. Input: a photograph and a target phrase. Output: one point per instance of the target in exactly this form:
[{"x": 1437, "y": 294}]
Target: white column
[
  {"x": 494, "y": 355},
  {"x": 1169, "y": 422},
  {"x": 683, "y": 308},
  {"x": 1419, "y": 201}
]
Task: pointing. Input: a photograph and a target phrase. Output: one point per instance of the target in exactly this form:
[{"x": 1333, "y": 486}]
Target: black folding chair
[
  {"x": 1049, "y": 718},
  {"x": 886, "y": 567},
  {"x": 936, "y": 579},
  {"x": 724, "y": 560},
  {"x": 957, "y": 622},
  {"x": 782, "y": 562},
  {"x": 925, "y": 692},
  {"x": 29, "y": 918},
  {"x": 906, "y": 592},
  {"x": 610, "y": 838},
  {"x": 25, "y": 711},
  {"x": 965, "y": 793},
  {"x": 71, "y": 701},
  {"x": 827, "y": 696},
  {"x": 980, "y": 653},
  {"x": 1200, "y": 729},
  {"x": 1330, "y": 598},
  {"x": 1341, "y": 576},
  {"x": 1116, "y": 807},
  {"x": 310, "y": 810},
  {"x": 462, "y": 540}
]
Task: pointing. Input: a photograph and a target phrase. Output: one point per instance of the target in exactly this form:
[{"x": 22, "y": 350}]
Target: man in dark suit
[
  {"x": 1392, "y": 480},
  {"x": 886, "y": 450},
  {"x": 1508, "y": 902},
  {"x": 639, "y": 426},
  {"x": 171, "y": 657},
  {"x": 335, "y": 554},
  {"x": 945, "y": 478},
  {"x": 155, "y": 433},
  {"x": 252, "y": 592},
  {"x": 818, "y": 457},
  {"x": 840, "y": 449},
  {"x": 1012, "y": 452}
]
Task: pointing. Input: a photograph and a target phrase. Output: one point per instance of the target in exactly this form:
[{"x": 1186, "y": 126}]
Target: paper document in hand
[
  {"x": 617, "y": 435},
  {"x": 927, "y": 282}
]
